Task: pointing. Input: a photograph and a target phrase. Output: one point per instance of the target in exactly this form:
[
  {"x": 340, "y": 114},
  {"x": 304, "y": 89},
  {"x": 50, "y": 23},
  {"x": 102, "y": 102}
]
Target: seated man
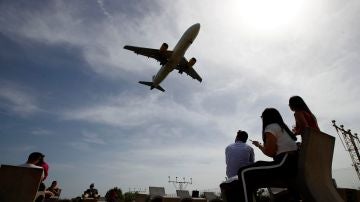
[
  {"x": 53, "y": 190},
  {"x": 238, "y": 154},
  {"x": 279, "y": 143},
  {"x": 91, "y": 193}
]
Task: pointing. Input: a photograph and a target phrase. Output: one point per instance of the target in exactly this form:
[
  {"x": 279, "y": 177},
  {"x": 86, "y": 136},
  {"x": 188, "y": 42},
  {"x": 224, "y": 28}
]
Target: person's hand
[
  {"x": 256, "y": 143},
  {"x": 296, "y": 130}
]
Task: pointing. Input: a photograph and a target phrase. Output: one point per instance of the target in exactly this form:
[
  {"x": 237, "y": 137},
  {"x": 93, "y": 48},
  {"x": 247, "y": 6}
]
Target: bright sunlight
[{"x": 269, "y": 15}]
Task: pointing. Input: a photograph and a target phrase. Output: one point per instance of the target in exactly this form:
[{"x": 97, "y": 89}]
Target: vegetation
[
  {"x": 130, "y": 196},
  {"x": 114, "y": 195}
]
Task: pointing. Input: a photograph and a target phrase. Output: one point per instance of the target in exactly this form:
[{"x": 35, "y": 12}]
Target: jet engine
[
  {"x": 192, "y": 61},
  {"x": 163, "y": 48}
]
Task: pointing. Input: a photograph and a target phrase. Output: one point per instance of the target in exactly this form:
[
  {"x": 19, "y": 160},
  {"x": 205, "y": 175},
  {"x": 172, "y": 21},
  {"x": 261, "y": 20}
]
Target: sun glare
[{"x": 269, "y": 15}]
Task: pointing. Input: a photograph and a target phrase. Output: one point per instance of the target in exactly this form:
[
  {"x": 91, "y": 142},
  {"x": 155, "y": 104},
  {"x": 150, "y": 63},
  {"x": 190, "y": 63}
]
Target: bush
[
  {"x": 114, "y": 195},
  {"x": 130, "y": 196}
]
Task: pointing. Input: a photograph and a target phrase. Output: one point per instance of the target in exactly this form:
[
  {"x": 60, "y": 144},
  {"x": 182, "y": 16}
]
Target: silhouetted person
[
  {"x": 92, "y": 192},
  {"x": 279, "y": 143},
  {"x": 44, "y": 165},
  {"x": 238, "y": 154},
  {"x": 53, "y": 190},
  {"x": 303, "y": 116},
  {"x": 33, "y": 159}
]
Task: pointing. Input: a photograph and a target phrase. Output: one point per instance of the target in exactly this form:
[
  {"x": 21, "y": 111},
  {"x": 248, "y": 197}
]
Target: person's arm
[
  {"x": 252, "y": 155},
  {"x": 227, "y": 160},
  {"x": 227, "y": 155},
  {"x": 301, "y": 122},
  {"x": 270, "y": 146}
]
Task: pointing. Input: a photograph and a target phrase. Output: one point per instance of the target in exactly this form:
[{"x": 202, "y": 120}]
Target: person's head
[
  {"x": 241, "y": 136},
  {"x": 41, "y": 161},
  {"x": 272, "y": 115},
  {"x": 297, "y": 103},
  {"x": 54, "y": 183},
  {"x": 92, "y": 185},
  {"x": 34, "y": 158}
]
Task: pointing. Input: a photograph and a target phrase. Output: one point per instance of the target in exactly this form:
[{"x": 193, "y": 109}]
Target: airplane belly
[{"x": 162, "y": 74}]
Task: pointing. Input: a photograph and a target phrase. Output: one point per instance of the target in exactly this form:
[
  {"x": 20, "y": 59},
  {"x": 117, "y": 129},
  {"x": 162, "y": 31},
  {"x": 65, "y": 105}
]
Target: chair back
[
  {"x": 314, "y": 167},
  {"x": 19, "y": 184}
]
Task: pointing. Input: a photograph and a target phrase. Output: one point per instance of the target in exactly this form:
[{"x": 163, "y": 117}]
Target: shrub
[{"x": 114, "y": 195}]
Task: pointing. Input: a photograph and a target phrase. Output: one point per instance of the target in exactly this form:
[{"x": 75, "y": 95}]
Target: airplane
[{"x": 170, "y": 60}]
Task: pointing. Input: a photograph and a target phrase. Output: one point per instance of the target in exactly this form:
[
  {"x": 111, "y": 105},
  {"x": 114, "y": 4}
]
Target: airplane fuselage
[{"x": 178, "y": 53}]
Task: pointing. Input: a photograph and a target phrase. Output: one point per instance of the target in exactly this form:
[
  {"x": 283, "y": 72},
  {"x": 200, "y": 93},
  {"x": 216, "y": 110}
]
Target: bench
[
  {"x": 314, "y": 176},
  {"x": 19, "y": 184}
]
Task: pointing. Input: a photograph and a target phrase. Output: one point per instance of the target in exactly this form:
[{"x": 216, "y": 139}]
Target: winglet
[{"x": 152, "y": 86}]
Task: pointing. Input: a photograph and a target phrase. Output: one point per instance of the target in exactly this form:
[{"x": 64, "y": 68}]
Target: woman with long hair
[
  {"x": 279, "y": 144},
  {"x": 303, "y": 116}
]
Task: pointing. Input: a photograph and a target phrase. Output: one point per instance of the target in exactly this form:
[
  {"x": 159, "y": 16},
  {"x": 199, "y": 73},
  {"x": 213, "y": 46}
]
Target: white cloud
[
  {"x": 244, "y": 70},
  {"x": 92, "y": 138},
  {"x": 105, "y": 11},
  {"x": 79, "y": 146},
  {"x": 41, "y": 132},
  {"x": 86, "y": 141},
  {"x": 131, "y": 110},
  {"x": 17, "y": 99},
  {"x": 23, "y": 149}
]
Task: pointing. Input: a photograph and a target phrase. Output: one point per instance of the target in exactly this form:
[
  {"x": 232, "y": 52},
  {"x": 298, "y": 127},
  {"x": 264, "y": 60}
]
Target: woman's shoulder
[{"x": 272, "y": 127}]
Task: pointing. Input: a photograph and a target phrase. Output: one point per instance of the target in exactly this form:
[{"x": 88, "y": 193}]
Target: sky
[{"x": 69, "y": 90}]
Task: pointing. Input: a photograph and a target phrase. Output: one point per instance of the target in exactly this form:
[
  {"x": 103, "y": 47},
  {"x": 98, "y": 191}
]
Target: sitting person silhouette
[
  {"x": 279, "y": 143},
  {"x": 53, "y": 190},
  {"x": 91, "y": 193}
]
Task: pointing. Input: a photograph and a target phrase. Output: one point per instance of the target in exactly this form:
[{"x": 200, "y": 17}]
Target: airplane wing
[
  {"x": 162, "y": 57},
  {"x": 184, "y": 66}
]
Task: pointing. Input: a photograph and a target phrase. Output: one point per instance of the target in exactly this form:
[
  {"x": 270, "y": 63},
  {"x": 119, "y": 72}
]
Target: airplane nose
[{"x": 197, "y": 25}]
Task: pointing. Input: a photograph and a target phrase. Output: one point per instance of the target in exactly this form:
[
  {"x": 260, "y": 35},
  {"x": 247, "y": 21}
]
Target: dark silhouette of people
[
  {"x": 53, "y": 190},
  {"x": 91, "y": 192},
  {"x": 44, "y": 165},
  {"x": 278, "y": 143},
  {"x": 238, "y": 154},
  {"x": 32, "y": 161},
  {"x": 303, "y": 116}
]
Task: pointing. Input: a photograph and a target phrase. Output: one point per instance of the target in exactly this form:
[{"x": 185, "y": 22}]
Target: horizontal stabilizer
[{"x": 151, "y": 84}]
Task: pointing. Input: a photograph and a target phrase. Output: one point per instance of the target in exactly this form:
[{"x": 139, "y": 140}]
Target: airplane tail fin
[{"x": 151, "y": 84}]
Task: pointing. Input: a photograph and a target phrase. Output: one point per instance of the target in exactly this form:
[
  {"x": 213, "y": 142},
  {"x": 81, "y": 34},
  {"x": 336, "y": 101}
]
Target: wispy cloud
[
  {"x": 131, "y": 110},
  {"x": 81, "y": 146},
  {"x": 86, "y": 141},
  {"x": 23, "y": 149},
  {"x": 17, "y": 99},
  {"x": 187, "y": 127},
  {"x": 41, "y": 132},
  {"x": 92, "y": 138},
  {"x": 105, "y": 11}
]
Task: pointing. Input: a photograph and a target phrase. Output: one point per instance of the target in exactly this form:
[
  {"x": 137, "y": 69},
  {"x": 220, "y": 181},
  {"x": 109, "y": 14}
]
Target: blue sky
[{"x": 69, "y": 89}]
